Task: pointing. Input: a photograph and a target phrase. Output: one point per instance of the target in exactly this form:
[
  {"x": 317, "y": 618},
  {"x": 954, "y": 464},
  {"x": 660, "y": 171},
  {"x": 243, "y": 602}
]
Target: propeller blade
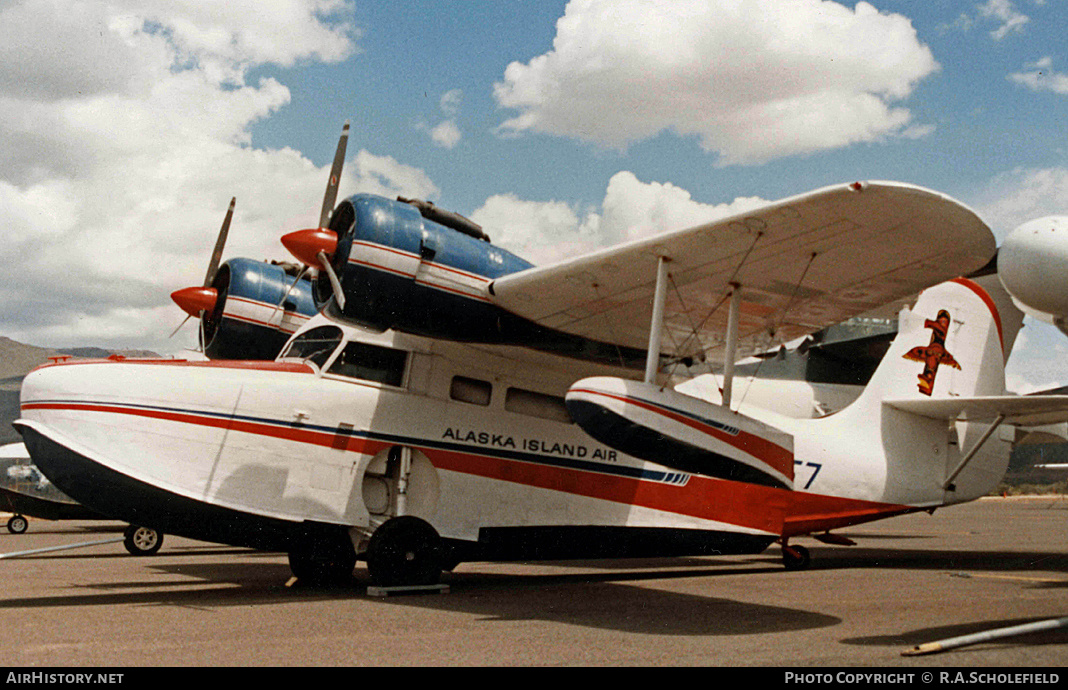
[
  {"x": 216, "y": 255},
  {"x": 335, "y": 177},
  {"x": 175, "y": 331},
  {"x": 339, "y": 295}
]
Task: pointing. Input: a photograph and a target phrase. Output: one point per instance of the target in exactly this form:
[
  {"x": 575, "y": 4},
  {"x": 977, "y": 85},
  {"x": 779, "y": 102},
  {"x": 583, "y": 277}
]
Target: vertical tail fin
[{"x": 953, "y": 342}]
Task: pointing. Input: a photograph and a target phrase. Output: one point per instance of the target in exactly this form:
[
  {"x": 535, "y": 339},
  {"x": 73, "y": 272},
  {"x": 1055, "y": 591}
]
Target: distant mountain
[
  {"x": 99, "y": 353},
  {"x": 18, "y": 359}
]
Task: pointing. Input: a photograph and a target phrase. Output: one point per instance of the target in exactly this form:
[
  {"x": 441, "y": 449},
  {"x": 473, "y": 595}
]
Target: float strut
[
  {"x": 731, "y": 351},
  {"x": 656, "y": 328}
]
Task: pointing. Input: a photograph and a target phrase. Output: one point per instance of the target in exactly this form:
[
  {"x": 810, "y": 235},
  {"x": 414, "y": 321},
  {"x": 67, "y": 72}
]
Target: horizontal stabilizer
[{"x": 1022, "y": 410}]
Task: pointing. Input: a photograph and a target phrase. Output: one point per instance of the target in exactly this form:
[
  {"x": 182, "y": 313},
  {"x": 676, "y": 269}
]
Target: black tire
[
  {"x": 404, "y": 551},
  {"x": 17, "y": 524},
  {"x": 323, "y": 559},
  {"x": 142, "y": 541},
  {"x": 796, "y": 558}
]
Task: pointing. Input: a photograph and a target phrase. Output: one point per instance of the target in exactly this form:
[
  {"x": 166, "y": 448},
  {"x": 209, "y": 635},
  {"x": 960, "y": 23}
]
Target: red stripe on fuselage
[
  {"x": 771, "y": 510},
  {"x": 247, "y": 364}
]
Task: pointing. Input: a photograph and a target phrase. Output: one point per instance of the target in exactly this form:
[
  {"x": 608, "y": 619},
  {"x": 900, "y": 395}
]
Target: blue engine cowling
[
  {"x": 250, "y": 319},
  {"x": 401, "y": 270}
]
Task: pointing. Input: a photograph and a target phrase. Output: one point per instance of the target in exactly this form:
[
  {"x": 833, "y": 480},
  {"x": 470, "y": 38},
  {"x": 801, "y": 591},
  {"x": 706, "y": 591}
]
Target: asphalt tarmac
[{"x": 910, "y": 580}]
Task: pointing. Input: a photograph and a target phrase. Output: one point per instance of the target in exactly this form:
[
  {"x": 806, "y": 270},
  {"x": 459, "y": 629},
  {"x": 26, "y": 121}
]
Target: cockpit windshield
[{"x": 315, "y": 345}]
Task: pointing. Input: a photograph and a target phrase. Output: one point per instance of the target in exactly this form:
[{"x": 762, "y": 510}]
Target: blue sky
[
  {"x": 559, "y": 126},
  {"x": 410, "y": 57}
]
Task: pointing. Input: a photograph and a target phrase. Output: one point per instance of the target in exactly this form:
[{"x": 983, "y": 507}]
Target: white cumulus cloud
[
  {"x": 1040, "y": 76},
  {"x": 125, "y": 130},
  {"x": 546, "y": 231},
  {"x": 1024, "y": 194},
  {"x": 752, "y": 80},
  {"x": 1005, "y": 12}
]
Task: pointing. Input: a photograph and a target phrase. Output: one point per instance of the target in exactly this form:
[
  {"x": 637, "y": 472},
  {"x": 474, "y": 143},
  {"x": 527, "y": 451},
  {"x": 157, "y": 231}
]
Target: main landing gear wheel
[
  {"x": 404, "y": 551},
  {"x": 17, "y": 524},
  {"x": 796, "y": 557},
  {"x": 323, "y": 559},
  {"x": 142, "y": 541}
]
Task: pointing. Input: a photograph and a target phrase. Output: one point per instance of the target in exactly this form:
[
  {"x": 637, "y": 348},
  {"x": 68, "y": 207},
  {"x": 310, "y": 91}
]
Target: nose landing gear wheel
[
  {"x": 404, "y": 551},
  {"x": 795, "y": 557},
  {"x": 142, "y": 541},
  {"x": 17, "y": 524}
]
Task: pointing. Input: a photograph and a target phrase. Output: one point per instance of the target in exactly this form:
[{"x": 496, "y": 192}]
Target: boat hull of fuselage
[
  {"x": 120, "y": 496},
  {"x": 243, "y": 468},
  {"x": 116, "y": 494}
]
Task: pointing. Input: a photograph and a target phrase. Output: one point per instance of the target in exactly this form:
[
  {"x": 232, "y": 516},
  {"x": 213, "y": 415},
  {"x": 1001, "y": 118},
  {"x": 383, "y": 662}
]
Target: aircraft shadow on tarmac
[
  {"x": 601, "y": 599},
  {"x": 926, "y": 559},
  {"x": 605, "y": 595},
  {"x": 608, "y": 601}
]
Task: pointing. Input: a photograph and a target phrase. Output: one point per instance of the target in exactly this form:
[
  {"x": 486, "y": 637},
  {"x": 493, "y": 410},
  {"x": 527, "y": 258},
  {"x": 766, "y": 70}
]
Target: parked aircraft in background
[
  {"x": 451, "y": 402},
  {"x": 1031, "y": 264}
]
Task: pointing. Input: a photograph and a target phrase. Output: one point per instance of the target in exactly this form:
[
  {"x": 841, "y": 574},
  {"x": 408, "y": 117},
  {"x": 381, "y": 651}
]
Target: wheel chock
[{"x": 375, "y": 591}]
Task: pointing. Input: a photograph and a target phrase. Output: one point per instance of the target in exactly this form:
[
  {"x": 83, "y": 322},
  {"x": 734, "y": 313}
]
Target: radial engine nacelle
[
  {"x": 406, "y": 264},
  {"x": 1033, "y": 266},
  {"x": 249, "y": 310}
]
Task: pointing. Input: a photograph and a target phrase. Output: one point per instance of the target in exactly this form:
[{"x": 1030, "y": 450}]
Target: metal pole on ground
[{"x": 976, "y": 638}]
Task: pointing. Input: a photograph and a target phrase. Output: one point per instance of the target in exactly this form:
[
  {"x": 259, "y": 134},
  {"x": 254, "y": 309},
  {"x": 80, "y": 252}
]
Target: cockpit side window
[
  {"x": 315, "y": 345},
  {"x": 371, "y": 363}
]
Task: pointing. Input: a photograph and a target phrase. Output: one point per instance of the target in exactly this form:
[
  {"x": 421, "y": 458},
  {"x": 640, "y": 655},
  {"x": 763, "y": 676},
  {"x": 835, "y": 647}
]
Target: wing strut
[
  {"x": 656, "y": 327},
  {"x": 732, "y": 344},
  {"x": 948, "y": 485}
]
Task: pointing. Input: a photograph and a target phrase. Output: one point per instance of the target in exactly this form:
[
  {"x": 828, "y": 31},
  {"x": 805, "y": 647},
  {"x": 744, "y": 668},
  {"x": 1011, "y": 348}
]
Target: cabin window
[
  {"x": 371, "y": 363},
  {"x": 315, "y": 345},
  {"x": 536, "y": 404},
  {"x": 470, "y": 390}
]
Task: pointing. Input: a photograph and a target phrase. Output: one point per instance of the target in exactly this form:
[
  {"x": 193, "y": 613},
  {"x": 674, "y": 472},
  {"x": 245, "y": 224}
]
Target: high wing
[
  {"x": 1021, "y": 410},
  {"x": 802, "y": 264}
]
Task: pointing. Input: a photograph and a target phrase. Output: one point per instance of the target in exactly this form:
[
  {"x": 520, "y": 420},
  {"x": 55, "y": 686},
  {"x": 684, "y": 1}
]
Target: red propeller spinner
[
  {"x": 306, "y": 245},
  {"x": 194, "y": 300}
]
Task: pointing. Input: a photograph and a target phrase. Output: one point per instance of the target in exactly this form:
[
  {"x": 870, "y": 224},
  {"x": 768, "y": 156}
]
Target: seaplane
[{"x": 450, "y": 402}]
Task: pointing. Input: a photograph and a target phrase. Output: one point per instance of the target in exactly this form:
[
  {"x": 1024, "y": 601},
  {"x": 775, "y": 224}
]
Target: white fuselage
[{"x": 487, "y": 443}]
